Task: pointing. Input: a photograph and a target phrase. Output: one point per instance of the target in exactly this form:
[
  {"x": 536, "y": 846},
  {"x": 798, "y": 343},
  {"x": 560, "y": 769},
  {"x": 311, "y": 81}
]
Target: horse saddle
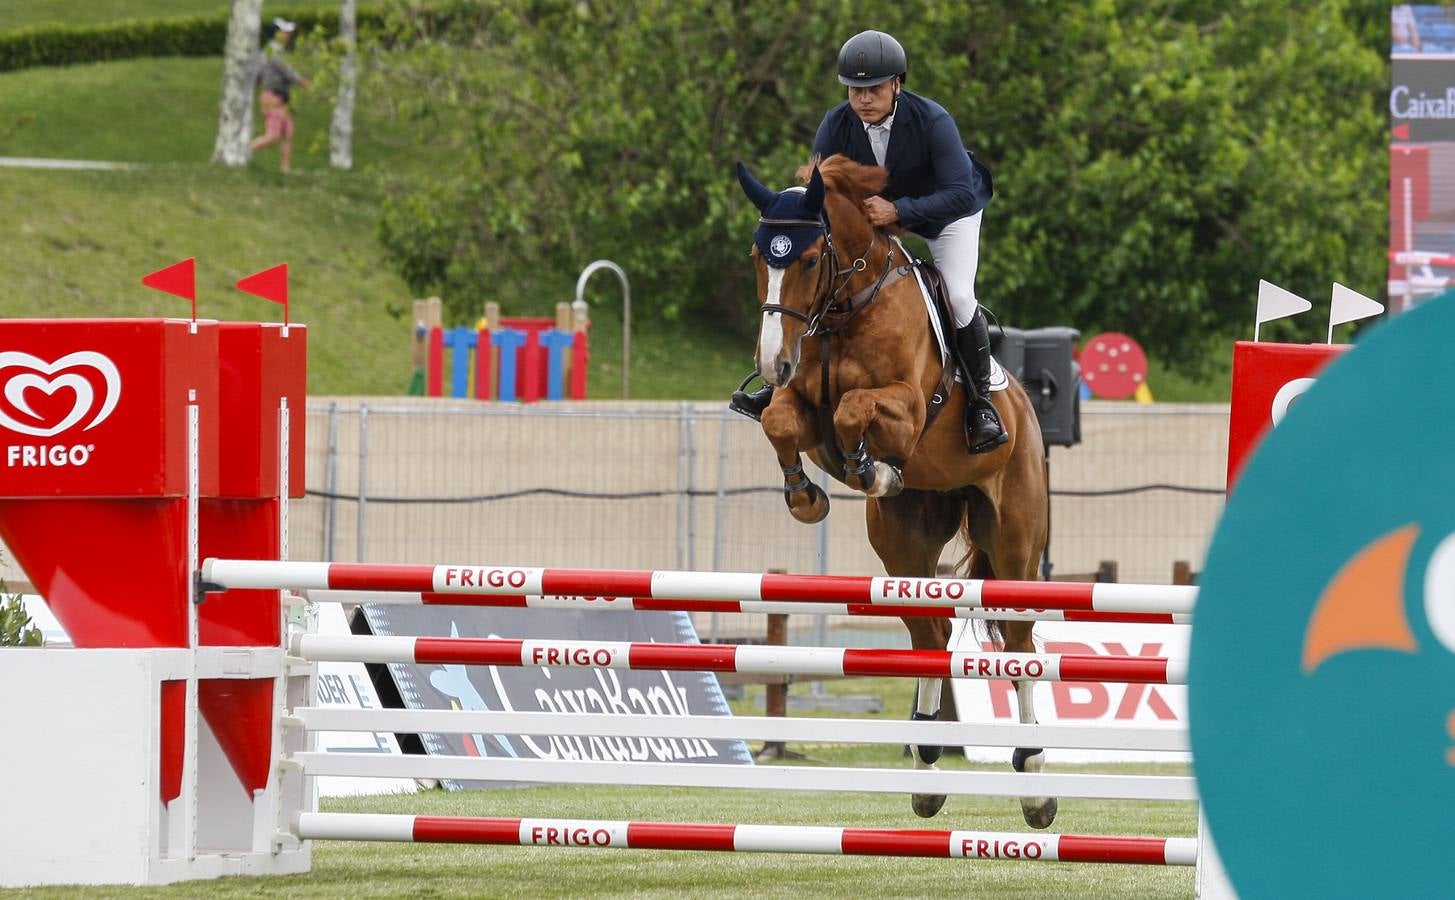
[{"x": 942, "y": 324}]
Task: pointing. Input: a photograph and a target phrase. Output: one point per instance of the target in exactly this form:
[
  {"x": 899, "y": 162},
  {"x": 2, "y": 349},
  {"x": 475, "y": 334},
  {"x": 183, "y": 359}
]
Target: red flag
[
  {"x": 270, "y": 284},
  {"x": 178, "y": 279}
]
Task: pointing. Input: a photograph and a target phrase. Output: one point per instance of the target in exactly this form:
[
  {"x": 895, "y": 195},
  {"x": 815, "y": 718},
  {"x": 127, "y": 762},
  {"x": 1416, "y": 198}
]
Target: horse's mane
[{"x": 844, "y": 176}]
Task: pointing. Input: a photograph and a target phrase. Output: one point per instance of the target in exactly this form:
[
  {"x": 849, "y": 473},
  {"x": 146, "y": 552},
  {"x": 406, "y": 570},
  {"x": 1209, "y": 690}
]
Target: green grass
[
  {"x": 78, "y": 243},
  {"x": 165, "y": 111},
  {"x": 16, "y": 14},
  {"x": 347, "y": 869}
]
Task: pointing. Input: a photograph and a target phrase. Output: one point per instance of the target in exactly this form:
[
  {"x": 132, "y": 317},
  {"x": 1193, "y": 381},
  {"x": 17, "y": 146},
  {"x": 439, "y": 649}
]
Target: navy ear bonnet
[{"x": 790, "y": 221}]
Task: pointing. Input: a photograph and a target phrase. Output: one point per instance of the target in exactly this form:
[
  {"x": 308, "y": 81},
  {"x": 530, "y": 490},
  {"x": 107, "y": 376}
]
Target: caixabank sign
[{"x": 98, "y": 407}]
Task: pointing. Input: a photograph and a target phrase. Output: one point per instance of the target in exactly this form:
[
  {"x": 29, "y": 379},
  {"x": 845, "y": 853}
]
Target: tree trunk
[
  {"x": 235, "y": 112},
  {"x": 341, "y": 132}
]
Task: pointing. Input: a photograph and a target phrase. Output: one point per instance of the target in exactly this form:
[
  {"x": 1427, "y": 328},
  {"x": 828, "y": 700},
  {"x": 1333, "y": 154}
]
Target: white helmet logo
[{"x": 780, "y": 245}]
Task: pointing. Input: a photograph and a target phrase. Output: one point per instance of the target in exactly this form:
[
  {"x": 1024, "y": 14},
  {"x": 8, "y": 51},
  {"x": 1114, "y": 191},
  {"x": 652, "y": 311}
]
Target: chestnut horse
[{"x": 847, "y": 343}]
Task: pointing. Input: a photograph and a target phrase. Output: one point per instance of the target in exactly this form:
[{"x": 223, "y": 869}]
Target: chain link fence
[{"x": 692, "y": 486}]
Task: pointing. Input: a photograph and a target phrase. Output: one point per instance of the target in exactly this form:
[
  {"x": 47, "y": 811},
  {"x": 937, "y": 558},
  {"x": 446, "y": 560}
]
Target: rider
[{"x": 936, "y": 190}]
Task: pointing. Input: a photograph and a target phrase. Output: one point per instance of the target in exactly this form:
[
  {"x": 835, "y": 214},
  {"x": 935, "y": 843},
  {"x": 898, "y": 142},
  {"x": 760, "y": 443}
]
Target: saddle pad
[{"x": 998, "y": 379}]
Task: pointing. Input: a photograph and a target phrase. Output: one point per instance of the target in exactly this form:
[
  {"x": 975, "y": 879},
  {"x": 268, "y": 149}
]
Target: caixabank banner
[
  {"x": 558, "y": 690},
  {"x": 1421, "y": 153}
]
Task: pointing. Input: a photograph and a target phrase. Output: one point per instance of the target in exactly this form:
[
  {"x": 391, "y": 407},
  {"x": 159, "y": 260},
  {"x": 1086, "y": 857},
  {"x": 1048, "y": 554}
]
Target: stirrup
[
  {"x": 987, "y": 444},
  {"x": 746, "y": 404}
]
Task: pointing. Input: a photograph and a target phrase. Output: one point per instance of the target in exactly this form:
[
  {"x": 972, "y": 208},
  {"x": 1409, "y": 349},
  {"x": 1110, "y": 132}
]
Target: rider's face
[{"x": 873, "y": 103}]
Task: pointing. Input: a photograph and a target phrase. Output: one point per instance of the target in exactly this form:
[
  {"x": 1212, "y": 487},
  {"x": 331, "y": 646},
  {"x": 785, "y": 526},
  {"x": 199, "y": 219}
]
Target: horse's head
[
  {"x": 799, "y": 272},
  {"x": 788, "y": 249}
]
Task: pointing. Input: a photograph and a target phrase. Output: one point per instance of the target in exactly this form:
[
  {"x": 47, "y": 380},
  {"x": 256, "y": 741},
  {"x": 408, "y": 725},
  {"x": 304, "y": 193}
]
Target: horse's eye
[{"x": 810, "y": 261}]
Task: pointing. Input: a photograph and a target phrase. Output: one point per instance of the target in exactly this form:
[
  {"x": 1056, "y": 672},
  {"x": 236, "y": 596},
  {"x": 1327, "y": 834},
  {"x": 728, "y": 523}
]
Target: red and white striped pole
[
  {"x": 858, "y": 589},
  {"x": 748, "y": 659},
  {"x": 761, "y": 607},
  {"x": 748, "y": 838}
]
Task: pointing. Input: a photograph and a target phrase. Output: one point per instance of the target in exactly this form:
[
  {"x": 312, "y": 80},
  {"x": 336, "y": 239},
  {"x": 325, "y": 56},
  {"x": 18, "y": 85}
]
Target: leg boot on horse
[{"x": 983, "y": 431}]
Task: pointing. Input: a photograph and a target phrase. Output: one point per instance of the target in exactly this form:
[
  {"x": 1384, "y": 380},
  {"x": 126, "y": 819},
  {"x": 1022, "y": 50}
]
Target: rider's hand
[{"x": 880, "y": 211}]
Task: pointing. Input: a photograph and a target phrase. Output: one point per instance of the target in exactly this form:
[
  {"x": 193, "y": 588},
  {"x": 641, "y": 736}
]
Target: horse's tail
[{"x": 976, "y": 564}]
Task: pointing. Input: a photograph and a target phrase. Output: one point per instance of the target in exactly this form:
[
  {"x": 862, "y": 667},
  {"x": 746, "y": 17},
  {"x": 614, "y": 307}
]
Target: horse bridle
[{"x": 838, "y": 276}]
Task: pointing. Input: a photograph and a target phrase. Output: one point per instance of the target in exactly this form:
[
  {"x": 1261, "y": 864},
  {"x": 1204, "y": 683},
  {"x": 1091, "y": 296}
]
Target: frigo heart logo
[{"x": 93, "y": 381}]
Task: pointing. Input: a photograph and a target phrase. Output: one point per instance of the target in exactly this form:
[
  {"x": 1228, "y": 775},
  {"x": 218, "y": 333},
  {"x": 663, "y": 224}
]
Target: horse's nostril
[{"x": 784, "y": 371}]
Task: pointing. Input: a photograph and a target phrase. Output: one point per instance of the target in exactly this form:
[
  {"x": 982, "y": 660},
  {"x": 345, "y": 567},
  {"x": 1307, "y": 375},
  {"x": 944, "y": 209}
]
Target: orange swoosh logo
[{"x": 1363, "y": 606}]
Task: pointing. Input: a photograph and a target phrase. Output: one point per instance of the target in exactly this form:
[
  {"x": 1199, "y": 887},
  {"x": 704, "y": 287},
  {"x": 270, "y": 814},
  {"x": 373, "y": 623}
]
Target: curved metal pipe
[{"x": 626, "y": 317}]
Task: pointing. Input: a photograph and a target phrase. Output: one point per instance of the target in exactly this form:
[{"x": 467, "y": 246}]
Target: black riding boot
[
  {"x": 983, "y": 431},
  {"x": 751, "y": 405}
]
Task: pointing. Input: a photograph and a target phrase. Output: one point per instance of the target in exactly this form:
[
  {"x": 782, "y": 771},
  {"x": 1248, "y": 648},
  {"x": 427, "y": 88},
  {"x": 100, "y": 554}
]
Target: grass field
[{"x": 346, "y": 869}]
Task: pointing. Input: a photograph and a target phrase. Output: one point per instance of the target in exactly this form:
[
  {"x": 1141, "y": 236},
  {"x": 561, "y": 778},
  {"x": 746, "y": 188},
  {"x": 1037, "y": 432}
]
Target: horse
[{"x": 861, "y": 402}]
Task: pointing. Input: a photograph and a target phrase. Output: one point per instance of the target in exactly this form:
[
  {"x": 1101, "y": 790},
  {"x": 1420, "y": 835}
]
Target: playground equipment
[{"x": 508, "y": 358}]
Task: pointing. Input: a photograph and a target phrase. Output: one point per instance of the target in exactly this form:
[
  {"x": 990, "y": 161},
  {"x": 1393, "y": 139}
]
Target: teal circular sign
[{"x": 1322, "y": 668}]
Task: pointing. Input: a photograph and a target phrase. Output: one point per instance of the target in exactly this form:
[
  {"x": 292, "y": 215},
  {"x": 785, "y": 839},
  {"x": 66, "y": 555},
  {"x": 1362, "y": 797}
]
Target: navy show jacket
[{"x": 933, "y": 179}]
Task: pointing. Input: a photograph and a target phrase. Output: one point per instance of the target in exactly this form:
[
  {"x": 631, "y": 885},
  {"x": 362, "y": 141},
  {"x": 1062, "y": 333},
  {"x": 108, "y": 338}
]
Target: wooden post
[
  {"x": 489, "y": 358},
  {"x": 563, "y": 325},
  {"x": 775, "y": 701}
]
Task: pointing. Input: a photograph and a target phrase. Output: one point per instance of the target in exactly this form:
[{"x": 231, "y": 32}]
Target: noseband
[{"x": 825, "y": 301}]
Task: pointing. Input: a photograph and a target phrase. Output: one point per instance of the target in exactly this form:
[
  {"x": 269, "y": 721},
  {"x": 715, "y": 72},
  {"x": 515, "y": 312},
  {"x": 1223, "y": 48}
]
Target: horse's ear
[
  {"x": 813, "y": 200},
  {"x": 755, "y": 189}
]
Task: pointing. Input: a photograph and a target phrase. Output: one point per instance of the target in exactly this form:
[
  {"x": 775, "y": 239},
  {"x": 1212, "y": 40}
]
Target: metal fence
[{"x": 691, "y": 486}]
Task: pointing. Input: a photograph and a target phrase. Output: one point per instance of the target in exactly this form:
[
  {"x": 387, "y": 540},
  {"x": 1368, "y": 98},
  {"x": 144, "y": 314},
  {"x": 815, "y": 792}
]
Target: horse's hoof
[
  {"x": 927, "y": 805},
  {"x": 812, "y": 512},
  {"x": 1039, "y": 813}
]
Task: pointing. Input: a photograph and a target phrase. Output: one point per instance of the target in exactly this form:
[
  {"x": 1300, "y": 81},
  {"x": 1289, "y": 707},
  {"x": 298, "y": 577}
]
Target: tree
[
  {"x": 1153, "y": 159},
  {"x": 341, "y": 132},
  {"x": 234, "y": 119}
]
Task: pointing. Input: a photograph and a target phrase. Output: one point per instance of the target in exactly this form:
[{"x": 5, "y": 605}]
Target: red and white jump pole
[
  {"x": 761, "y": 607},
  {"x": 514, "y": 581},
  {"x": 748, "y": 659},
  {"x": 748, "y": 838}
]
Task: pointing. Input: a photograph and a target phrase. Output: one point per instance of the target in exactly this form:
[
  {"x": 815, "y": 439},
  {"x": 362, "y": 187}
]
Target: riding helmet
[{"x": 869, "y": 58}]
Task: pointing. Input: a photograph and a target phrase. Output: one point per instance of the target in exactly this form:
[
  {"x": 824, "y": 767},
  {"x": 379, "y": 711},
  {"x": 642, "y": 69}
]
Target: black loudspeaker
[
  {"x": 1008, "y": 345},
  {"x": 1052, "y": 377}
]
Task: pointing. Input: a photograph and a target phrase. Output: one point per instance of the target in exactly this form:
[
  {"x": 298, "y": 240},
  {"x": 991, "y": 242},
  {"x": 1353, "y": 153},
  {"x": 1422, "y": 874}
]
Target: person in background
[
  {"x": 1404, "y": 32},
  {"x": 277, "y": 80}
]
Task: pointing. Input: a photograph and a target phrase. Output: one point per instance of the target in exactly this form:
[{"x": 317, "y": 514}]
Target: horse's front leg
[
  {"x": 789, "y": 428},
  {"x": 888, "y": 419}
]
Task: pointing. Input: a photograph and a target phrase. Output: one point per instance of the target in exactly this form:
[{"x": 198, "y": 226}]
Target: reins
[{"x": 832, "y": 314}]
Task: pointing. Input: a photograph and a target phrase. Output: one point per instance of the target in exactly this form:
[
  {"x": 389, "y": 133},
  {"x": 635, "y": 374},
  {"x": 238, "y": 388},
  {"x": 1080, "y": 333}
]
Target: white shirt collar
[{"x": 886, "y": 124}]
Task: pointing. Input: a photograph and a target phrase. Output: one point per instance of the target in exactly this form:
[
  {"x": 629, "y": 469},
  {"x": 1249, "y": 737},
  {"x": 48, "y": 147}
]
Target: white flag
[
  {"x": 1276, "y": 303},
  {"x": 1349, "y": 305}
]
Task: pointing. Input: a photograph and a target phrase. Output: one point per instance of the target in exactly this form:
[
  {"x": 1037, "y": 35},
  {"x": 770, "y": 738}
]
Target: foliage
[
  {"x": 1153, "y": 158},
  {"x": 16, "y": 629},
  {"x": 69, "y": 45}
]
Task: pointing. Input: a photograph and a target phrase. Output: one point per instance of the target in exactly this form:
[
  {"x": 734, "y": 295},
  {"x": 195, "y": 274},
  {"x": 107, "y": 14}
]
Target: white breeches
[{"x": 957, "y": 253}]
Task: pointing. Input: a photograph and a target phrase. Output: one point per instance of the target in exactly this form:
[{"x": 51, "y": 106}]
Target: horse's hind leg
[
  {"x": 1039, "y": 812},
  {"x": 908, "y": 532},
  {"x": 1013, "y": 550}
]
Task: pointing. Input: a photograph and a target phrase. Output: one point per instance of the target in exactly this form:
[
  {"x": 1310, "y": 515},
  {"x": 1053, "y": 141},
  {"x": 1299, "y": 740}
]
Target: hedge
[{"x": 68, "y": 45}]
